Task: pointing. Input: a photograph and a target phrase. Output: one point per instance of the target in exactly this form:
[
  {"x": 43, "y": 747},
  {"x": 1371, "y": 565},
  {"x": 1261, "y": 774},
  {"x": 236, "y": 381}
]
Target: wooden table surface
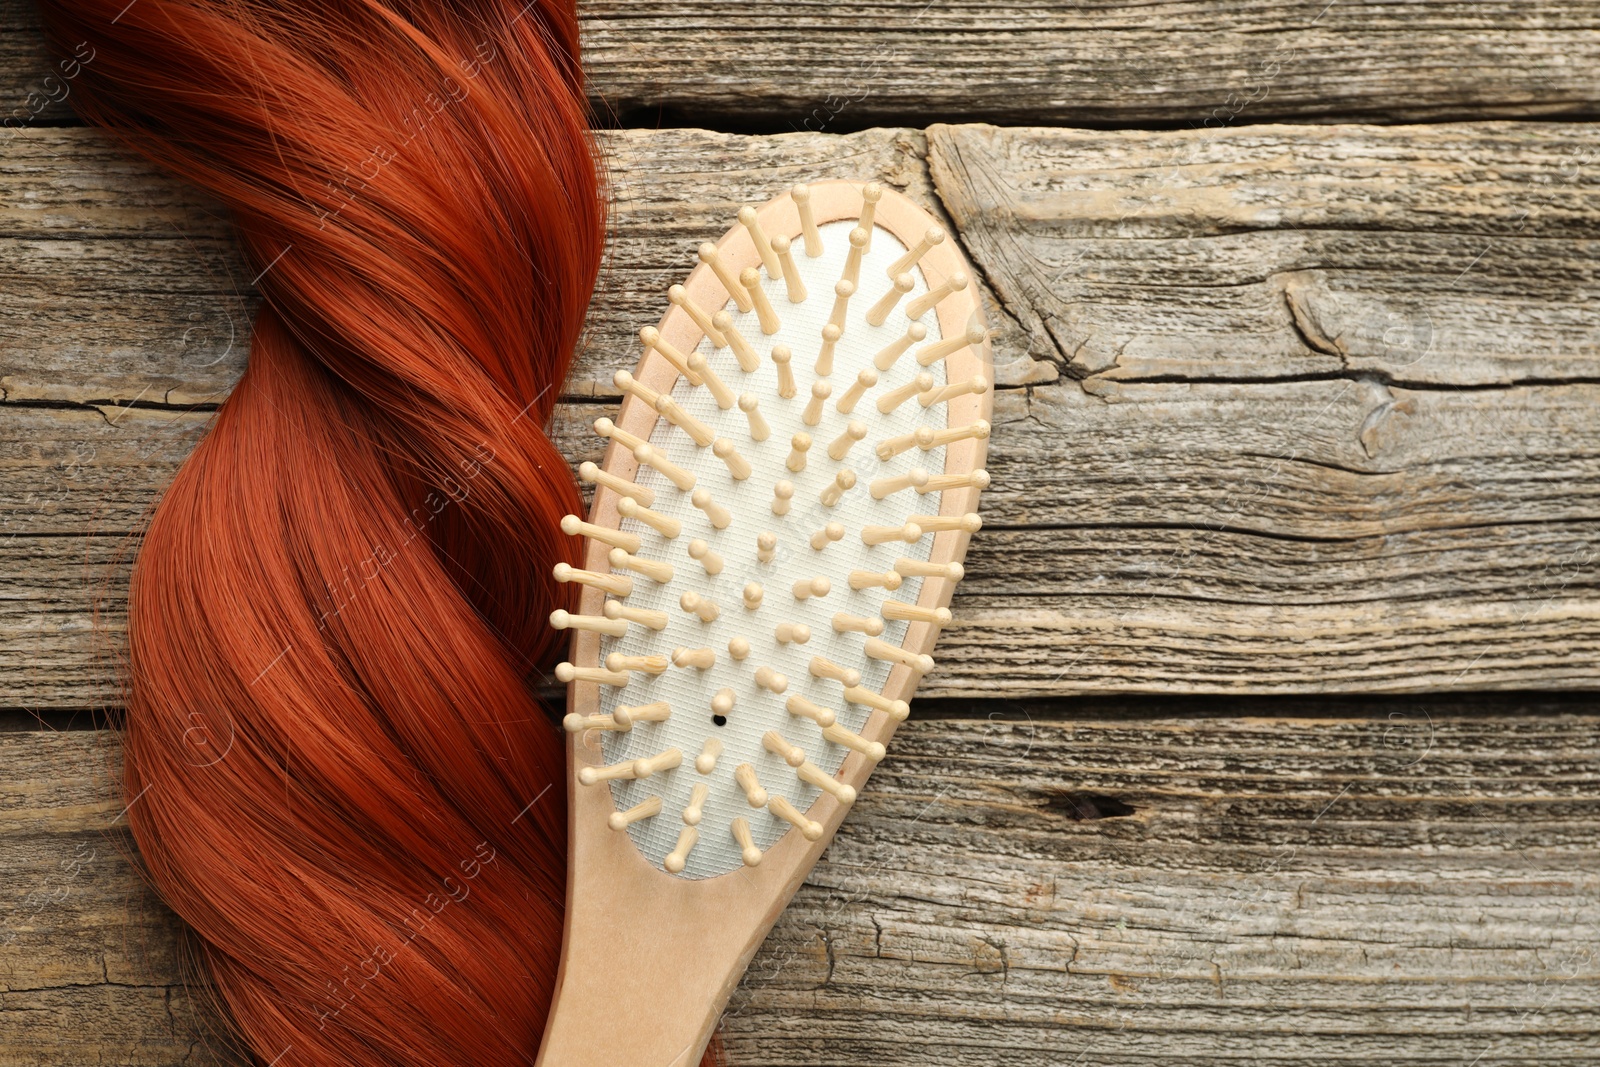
[{"x": 1266, "y": 730}]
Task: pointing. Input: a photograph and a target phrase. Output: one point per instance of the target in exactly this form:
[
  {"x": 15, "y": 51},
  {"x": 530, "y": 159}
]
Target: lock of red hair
[{"x": 339, "y": 775}]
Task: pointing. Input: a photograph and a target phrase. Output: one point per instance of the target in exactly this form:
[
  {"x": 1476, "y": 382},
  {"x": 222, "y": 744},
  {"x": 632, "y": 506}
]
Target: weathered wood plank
[
  {"x": 122, "y": 283},
  {"x": 1203, "y": 501},
  {"x": 1413, "y": 884},
  {"x": 840, "y": 66},
  {"x": 1265, "y": 252},
  {"x": 1190, "y": 549},
  {"x": 1459, "y": 255}
]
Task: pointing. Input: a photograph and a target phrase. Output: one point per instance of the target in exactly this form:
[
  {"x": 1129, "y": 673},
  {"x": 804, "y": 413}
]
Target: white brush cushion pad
[{"x": 756, "y": 711}]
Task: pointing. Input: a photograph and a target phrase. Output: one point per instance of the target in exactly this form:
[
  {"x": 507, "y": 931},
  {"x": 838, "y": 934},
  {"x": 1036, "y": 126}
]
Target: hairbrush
[{"x": 786, "y": 496}]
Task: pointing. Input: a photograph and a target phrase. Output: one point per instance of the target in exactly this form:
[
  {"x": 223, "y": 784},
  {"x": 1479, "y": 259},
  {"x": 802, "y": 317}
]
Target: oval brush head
[{"x": 778, "y": 525}]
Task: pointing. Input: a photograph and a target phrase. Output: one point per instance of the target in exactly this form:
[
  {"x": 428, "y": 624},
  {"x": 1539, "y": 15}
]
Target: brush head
[{"x": 808, "y": 428}]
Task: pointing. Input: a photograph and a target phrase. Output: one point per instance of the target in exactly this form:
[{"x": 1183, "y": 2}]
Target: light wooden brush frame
[{"x": 650, "y": 959}]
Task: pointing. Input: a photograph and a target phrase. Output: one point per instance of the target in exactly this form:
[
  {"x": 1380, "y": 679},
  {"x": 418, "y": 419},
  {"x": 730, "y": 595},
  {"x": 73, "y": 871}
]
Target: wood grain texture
[
  {"x": 846, "y": 66},
  {"x": 122, "y": 284},
  {"x": 1452, "y": 255},
  {"x": 1406, "y": 883},
  {"x": 1287, "y": 410}
]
